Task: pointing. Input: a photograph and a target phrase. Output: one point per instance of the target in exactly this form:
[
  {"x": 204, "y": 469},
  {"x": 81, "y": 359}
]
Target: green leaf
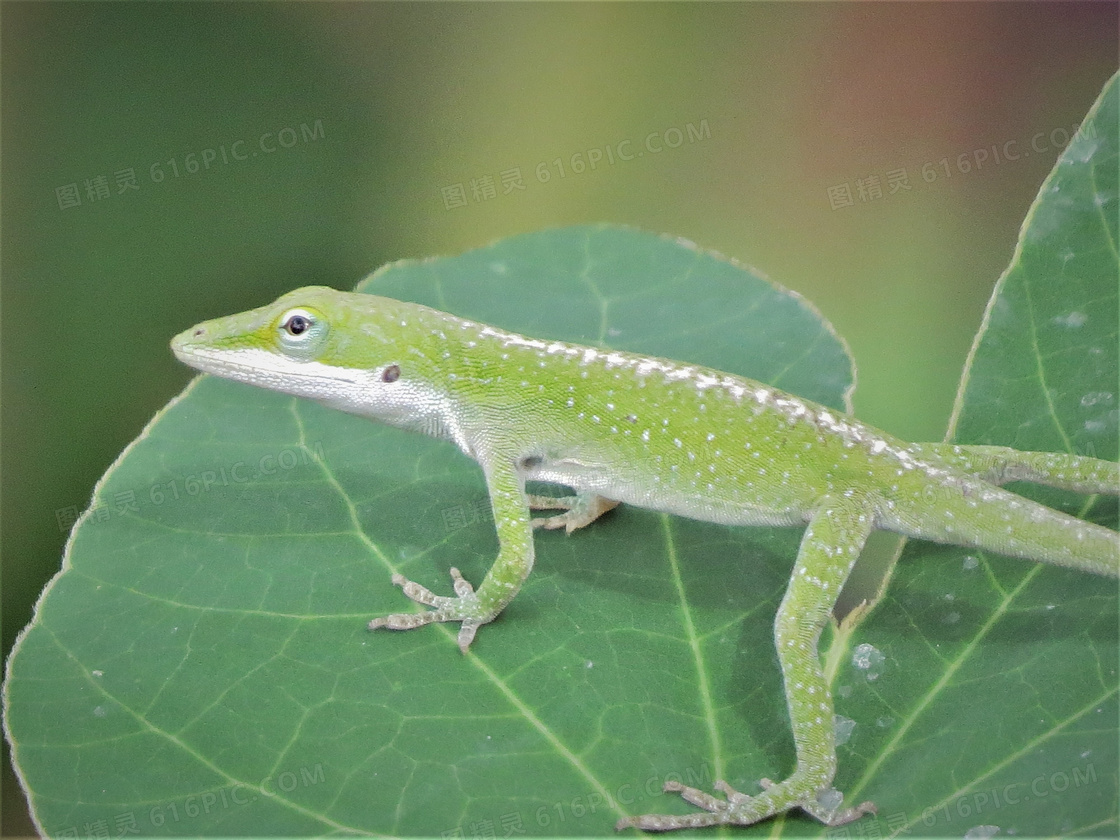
[
  {"x": 996, "y": 702},
  {"x": 201, "y": 665}
]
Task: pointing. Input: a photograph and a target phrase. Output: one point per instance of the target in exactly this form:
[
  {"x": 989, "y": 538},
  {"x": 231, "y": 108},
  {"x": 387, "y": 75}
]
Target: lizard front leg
[
  {"x": 512, "y": 566},
  {"x": 829, "y": 548},
  {"x": 579, "y": 510}
]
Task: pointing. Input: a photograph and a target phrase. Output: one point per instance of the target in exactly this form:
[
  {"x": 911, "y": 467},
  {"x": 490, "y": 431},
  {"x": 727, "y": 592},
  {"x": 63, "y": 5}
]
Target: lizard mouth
[{"x": 262, "y": 368}]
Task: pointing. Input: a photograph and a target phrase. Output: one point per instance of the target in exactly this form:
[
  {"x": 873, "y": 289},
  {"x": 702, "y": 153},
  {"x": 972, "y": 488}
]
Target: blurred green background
[{"x": 166, "y": 163}]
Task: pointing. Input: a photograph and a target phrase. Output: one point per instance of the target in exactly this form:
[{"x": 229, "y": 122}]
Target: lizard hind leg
[
  {"x": 1002, "y": 464},
  {"x": 829, "y": 548}
]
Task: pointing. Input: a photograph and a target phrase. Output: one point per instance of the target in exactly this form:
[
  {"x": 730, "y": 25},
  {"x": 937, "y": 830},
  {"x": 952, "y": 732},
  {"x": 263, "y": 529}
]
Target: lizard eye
[
  {"x": 301, "y": 331},
  {"x": 297, "y": 324}
]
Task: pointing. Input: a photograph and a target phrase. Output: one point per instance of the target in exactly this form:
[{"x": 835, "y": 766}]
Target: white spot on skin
[
  {"x": 736, "y": 390},
  {"x": 511, "y": 339},
  {"x": 704, "y": 381}
]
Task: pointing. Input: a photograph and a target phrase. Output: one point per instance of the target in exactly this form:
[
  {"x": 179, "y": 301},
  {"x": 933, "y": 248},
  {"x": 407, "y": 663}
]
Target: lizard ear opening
[{"x": 301, "y": 332}]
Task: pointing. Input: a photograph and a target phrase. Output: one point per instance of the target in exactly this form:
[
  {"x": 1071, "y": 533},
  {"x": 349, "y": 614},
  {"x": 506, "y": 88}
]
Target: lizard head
[{"x": 343, "y": 349}]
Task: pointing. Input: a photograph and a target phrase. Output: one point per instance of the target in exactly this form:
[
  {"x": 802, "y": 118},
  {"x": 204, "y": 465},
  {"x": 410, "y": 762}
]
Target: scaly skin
[{"x": 664, "y": 435}]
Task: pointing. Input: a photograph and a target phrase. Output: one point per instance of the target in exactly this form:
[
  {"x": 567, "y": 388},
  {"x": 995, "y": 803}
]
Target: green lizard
[{"x": 664, "y": 435}]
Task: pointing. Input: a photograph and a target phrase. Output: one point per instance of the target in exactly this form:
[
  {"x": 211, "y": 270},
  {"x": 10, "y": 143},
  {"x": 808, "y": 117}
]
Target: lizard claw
[
  {"x": 738, "y": 808},
  {"x": 463, "y": 607},
  {"x": 579, "y": 511}
]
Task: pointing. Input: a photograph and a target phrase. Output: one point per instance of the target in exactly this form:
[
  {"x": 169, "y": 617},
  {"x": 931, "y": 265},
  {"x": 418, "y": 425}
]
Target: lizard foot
[
  {"x": 578, "y": 510},
  {"x": 740, "y": 809},
  {"x": 464, "y": 607}
]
